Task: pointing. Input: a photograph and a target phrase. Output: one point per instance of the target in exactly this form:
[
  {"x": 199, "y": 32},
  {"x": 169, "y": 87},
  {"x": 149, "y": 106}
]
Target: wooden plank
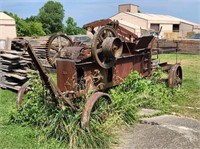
[
  {"x": 21, "y": 71},
  {"x": 16, "y": 88},
  {"x": 24, "y": 62},
  {"x": 9, "y": 67},
  {"x": 28, "y": 59},
  {"x": 10, "y": 56},
  {"x": 8, "y": 62},
  {"x": 10, "y": 83},
  {"x": 15, "y": 76},
  {"x": 12, "y": 52}
]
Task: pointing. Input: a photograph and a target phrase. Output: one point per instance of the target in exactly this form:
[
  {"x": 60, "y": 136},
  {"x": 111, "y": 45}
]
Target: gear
[{"x": 54, "y": 45}]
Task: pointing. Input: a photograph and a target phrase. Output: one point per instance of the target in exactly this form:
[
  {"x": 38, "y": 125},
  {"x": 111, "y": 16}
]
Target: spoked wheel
[
  {"x": 106, "y": 47},
  {"x": 54, "y": 45},
  {"x": 175, "y": 77},
  {"x": 96, "y": 110}
]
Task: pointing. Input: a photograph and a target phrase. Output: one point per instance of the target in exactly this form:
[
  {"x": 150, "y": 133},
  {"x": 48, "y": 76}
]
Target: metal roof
[
  {"x": 159, "y": 18},
  {"x": 128, "y": 24}
]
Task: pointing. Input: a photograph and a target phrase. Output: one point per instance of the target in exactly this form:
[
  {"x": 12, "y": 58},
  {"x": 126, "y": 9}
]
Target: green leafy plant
[
  {"x": 64, "y": 125},
  {"x": 137, "y": 92}
]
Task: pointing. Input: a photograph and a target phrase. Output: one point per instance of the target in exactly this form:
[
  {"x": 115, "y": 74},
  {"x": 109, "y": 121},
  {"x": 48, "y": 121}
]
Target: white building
[
  {"x": 7, "y": 30},
  {"x": 7, "y": 26},
  {"x": 140, "y": 23}
]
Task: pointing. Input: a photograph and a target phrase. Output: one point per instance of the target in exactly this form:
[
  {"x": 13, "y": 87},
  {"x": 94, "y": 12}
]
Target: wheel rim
[
  {"x": 54, "y": 46},
  {"x": 175, "y": 77},
  {"x": 21, "y": 93},
  {"x": 89, "y": 109}
]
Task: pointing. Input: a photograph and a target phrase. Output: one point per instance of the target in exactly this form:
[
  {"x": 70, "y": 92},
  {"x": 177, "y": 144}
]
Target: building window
[
  {"x": 175, "y": 27},
  {"x": 155, "y": 27}
]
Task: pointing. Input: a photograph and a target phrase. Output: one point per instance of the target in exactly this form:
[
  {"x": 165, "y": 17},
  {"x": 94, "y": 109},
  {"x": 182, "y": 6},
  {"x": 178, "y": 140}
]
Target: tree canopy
[
  {"x": 72, "y": 28},
  {"x": 48, "y": 21},
  {"x": 27, "y": 28},
  {"x": 51, "y": 16}
]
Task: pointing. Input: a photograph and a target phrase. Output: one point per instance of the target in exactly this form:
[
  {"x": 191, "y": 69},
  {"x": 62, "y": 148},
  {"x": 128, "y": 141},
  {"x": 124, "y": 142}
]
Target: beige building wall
[
  {"x": 128, "y": 8},
  {"x": 129, "y": 28},
  {"x": 7, "y": 27},
  {"x": 184, "y": 28},
  {"x": 165, "y": 28},
  {"x": 7, "y": 31},
  {"x": 131, "y": 19}
]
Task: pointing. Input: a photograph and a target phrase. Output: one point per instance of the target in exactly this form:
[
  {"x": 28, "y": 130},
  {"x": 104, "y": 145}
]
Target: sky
[{"x": 85, "y": 11}]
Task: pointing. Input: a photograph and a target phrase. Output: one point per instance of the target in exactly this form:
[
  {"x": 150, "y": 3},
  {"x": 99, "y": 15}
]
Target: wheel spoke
[
  {"x": 178, "y": 80},
  {"x": 53, "y": 47},
  {"x": 99, "y": 50},
  {"x": 55, "y": 56},
  {"x": 100, "y": 38}
]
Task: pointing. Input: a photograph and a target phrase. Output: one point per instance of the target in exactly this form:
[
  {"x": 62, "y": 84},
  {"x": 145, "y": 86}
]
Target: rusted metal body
[
  {"x": 113, "y": 54},
  {"x": 72, "y": 74}
]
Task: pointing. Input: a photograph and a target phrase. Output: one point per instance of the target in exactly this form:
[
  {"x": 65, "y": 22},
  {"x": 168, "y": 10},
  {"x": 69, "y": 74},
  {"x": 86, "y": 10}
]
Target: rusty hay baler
[{"x": 113, "y": 53}]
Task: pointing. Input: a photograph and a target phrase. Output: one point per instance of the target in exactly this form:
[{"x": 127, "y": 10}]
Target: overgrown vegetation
[
  {"x": 25, "y": 135},
  {"x": 64, "y": 126}
]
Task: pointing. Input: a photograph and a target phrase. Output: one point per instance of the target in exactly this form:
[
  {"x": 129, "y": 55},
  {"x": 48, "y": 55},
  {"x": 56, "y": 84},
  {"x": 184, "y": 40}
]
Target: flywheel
[{"x": 106, "y": 47}]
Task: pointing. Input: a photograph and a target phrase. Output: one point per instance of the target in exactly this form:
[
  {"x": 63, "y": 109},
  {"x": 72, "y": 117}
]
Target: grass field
[
  {"x": 16, "y": 136},
  {"x": 187, "y": 105}
]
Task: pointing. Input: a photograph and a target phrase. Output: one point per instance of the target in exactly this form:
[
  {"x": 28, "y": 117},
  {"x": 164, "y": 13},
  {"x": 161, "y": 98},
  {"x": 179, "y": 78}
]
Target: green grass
[
  {"x": 18, "y": 136},
  {"x": 13, "y": 136},
  {"x": 26, "y": 136},
  {"x": 191, "y": 84}
]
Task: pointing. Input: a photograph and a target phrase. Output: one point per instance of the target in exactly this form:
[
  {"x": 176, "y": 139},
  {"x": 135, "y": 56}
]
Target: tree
[
  {"x": 36, "y": 29},
  {"x": 72, "y": 28},
  {"x": 28, "y": 27},
  {"x": 51, "y": 16},
  {"x": 31, "y": 19}
]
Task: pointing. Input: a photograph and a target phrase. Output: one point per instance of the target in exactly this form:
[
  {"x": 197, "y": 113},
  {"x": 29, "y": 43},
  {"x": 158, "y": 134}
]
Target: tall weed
[{"x": 64, "y": 124}]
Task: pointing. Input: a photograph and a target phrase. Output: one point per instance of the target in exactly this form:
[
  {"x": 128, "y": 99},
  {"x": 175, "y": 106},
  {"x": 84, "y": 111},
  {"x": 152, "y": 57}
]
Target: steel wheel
[
  {"x": 97, "y": 51},
  {"x": 20, "y": 94},
  {"x": 96, "y": 110},
  {"x": 54, "y": 45},
  {"x": 175, "y": 77}
]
